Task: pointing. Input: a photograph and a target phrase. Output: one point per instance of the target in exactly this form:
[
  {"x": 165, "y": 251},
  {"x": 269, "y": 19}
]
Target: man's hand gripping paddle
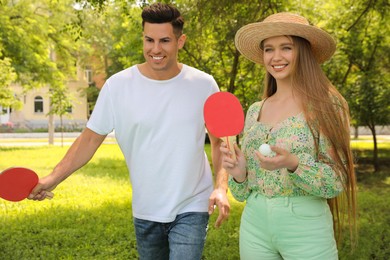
[
  {"x": 17, "y": 183},
  {"x": 224, "y": 117}
]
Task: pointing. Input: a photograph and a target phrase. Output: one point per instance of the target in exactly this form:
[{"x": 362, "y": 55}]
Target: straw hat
[{"x": 249, "y": 37}]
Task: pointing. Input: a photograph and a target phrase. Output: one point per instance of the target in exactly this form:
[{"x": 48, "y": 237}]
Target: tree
[
  {"x": 39, "y": 40},
  {"x": 7, "y": 76},
  {"x": 31, "y": 34},
  {"x": 113, "y": 28},
  {"x": 364, "y": 77},
  {"x": 210, "y": 47},
  {"x": 60, "y": 102}
]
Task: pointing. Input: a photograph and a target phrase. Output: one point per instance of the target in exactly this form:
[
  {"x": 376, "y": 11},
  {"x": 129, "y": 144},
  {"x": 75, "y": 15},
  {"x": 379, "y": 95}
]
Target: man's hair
[{"x": 163, "y": 13}]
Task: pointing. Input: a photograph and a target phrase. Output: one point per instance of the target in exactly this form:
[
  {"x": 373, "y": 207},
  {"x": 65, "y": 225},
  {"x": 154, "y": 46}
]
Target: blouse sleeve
[
  {"x": 318, "y": 177},
  {"x": 240, "y": 191}
]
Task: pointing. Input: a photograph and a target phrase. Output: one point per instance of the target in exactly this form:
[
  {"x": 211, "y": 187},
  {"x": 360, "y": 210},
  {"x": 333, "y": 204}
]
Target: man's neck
[{"x": 154, "y": 74}]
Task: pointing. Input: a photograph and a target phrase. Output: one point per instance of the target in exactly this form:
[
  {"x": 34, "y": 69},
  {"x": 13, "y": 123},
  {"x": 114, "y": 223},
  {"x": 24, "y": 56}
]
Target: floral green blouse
[{"x": 315, "y": 174}]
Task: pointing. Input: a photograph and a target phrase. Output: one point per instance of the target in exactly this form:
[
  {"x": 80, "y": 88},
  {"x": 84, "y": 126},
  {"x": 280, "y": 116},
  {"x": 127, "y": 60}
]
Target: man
[{"x": 156, "y": 110}]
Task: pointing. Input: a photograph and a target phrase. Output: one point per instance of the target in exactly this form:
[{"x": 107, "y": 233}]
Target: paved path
[{"x": 42, "y": 139}]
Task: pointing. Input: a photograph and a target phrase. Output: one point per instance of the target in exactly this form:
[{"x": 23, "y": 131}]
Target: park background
[{"x": 90, "y": 217}]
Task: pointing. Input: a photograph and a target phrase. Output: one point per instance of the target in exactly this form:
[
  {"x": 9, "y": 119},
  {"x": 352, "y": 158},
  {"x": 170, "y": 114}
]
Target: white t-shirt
[{"x": 159, "y": 127}]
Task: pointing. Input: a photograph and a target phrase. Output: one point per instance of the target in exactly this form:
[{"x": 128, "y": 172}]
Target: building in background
[{"x": 36, "y": 105}]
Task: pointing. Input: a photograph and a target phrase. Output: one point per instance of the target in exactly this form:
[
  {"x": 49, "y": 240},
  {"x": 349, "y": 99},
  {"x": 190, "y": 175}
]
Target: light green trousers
[{"x": 287, "y": 228}]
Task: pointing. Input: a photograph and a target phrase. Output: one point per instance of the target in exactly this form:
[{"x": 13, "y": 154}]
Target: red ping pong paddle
[
  {"x": 224, "y": 117},
  {"x": 17, "y": 183}
]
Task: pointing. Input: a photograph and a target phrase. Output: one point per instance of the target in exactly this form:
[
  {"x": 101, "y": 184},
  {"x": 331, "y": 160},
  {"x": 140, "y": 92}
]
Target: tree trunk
[
  {"x": 375, "y": 152},
  {"x": 232, "y": 81},
  {"x": 356, "y": 132},
  {"x": 233, "y": 73},
  {"x": 51, "y": 129},
  {"x": 62, "y": 132}
]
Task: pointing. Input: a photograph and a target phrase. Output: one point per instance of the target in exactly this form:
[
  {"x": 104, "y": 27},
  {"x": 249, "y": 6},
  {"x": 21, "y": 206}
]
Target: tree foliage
[
  {"x": 38, "y": 43},
  {"x": 359, "y": 69},
  {"x": 7, "y": 76},
  {"x": 362, "y": 63},
  {"x": 111, "y": 31}
]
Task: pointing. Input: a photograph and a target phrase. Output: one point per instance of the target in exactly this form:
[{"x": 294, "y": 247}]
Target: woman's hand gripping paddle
[
  {"x": 224, "y": 117},
  {"x": 17, "y": 183}
]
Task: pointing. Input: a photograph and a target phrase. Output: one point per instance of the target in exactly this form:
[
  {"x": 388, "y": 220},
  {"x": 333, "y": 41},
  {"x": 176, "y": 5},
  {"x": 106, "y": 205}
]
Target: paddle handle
[
  {"x": 49, "y": 195},
  {"x": 230, "y": 141}
]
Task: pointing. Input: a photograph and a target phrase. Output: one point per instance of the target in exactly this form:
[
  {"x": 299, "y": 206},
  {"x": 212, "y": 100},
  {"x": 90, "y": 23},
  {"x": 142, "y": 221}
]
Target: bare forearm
[
  {"x": 221, "y": 176},
  {"x": 78, "y": 155},
  {"x": 219, "y": 195},
  {"x": 221, "y": 179}
]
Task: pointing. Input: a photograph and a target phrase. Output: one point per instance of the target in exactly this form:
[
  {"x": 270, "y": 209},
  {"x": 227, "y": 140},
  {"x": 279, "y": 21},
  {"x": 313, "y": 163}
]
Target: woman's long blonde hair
[{"x": 326, "y": 113}]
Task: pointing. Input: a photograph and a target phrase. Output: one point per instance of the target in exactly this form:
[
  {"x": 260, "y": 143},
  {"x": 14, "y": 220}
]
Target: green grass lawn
[{"x": 90, "y": 215}]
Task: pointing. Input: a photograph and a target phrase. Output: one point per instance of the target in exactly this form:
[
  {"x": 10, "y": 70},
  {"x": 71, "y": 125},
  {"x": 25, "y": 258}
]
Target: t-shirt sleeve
[
  {"x": 102, "y": 118},
  {"x": 214, "y": 85}
]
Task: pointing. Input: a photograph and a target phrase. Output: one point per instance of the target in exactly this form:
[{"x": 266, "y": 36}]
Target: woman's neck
[{"x": 284, "y": 91}]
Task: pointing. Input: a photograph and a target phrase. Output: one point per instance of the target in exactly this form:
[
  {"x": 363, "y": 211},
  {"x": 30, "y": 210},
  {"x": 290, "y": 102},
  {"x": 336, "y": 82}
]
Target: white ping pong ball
[{"x": 265, "y": 149}]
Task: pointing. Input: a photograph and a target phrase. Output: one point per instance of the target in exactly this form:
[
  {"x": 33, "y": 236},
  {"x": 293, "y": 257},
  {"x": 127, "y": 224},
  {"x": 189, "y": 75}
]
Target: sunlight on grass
[
  {"x": 84, "y": 189},
  {"x": 367, "y": 142},
  {"x": 90, "y": 211},
  {"x": 90, "y": 216}
]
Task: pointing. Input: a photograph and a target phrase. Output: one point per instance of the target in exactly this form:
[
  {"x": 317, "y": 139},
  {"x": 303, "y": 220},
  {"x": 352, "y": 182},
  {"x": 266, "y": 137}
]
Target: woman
[{"x": 305, "y": 120}]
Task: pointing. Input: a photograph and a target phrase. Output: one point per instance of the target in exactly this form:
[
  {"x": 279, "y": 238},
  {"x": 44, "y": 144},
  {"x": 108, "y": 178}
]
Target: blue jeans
[{"x": 183, "y": 238}]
